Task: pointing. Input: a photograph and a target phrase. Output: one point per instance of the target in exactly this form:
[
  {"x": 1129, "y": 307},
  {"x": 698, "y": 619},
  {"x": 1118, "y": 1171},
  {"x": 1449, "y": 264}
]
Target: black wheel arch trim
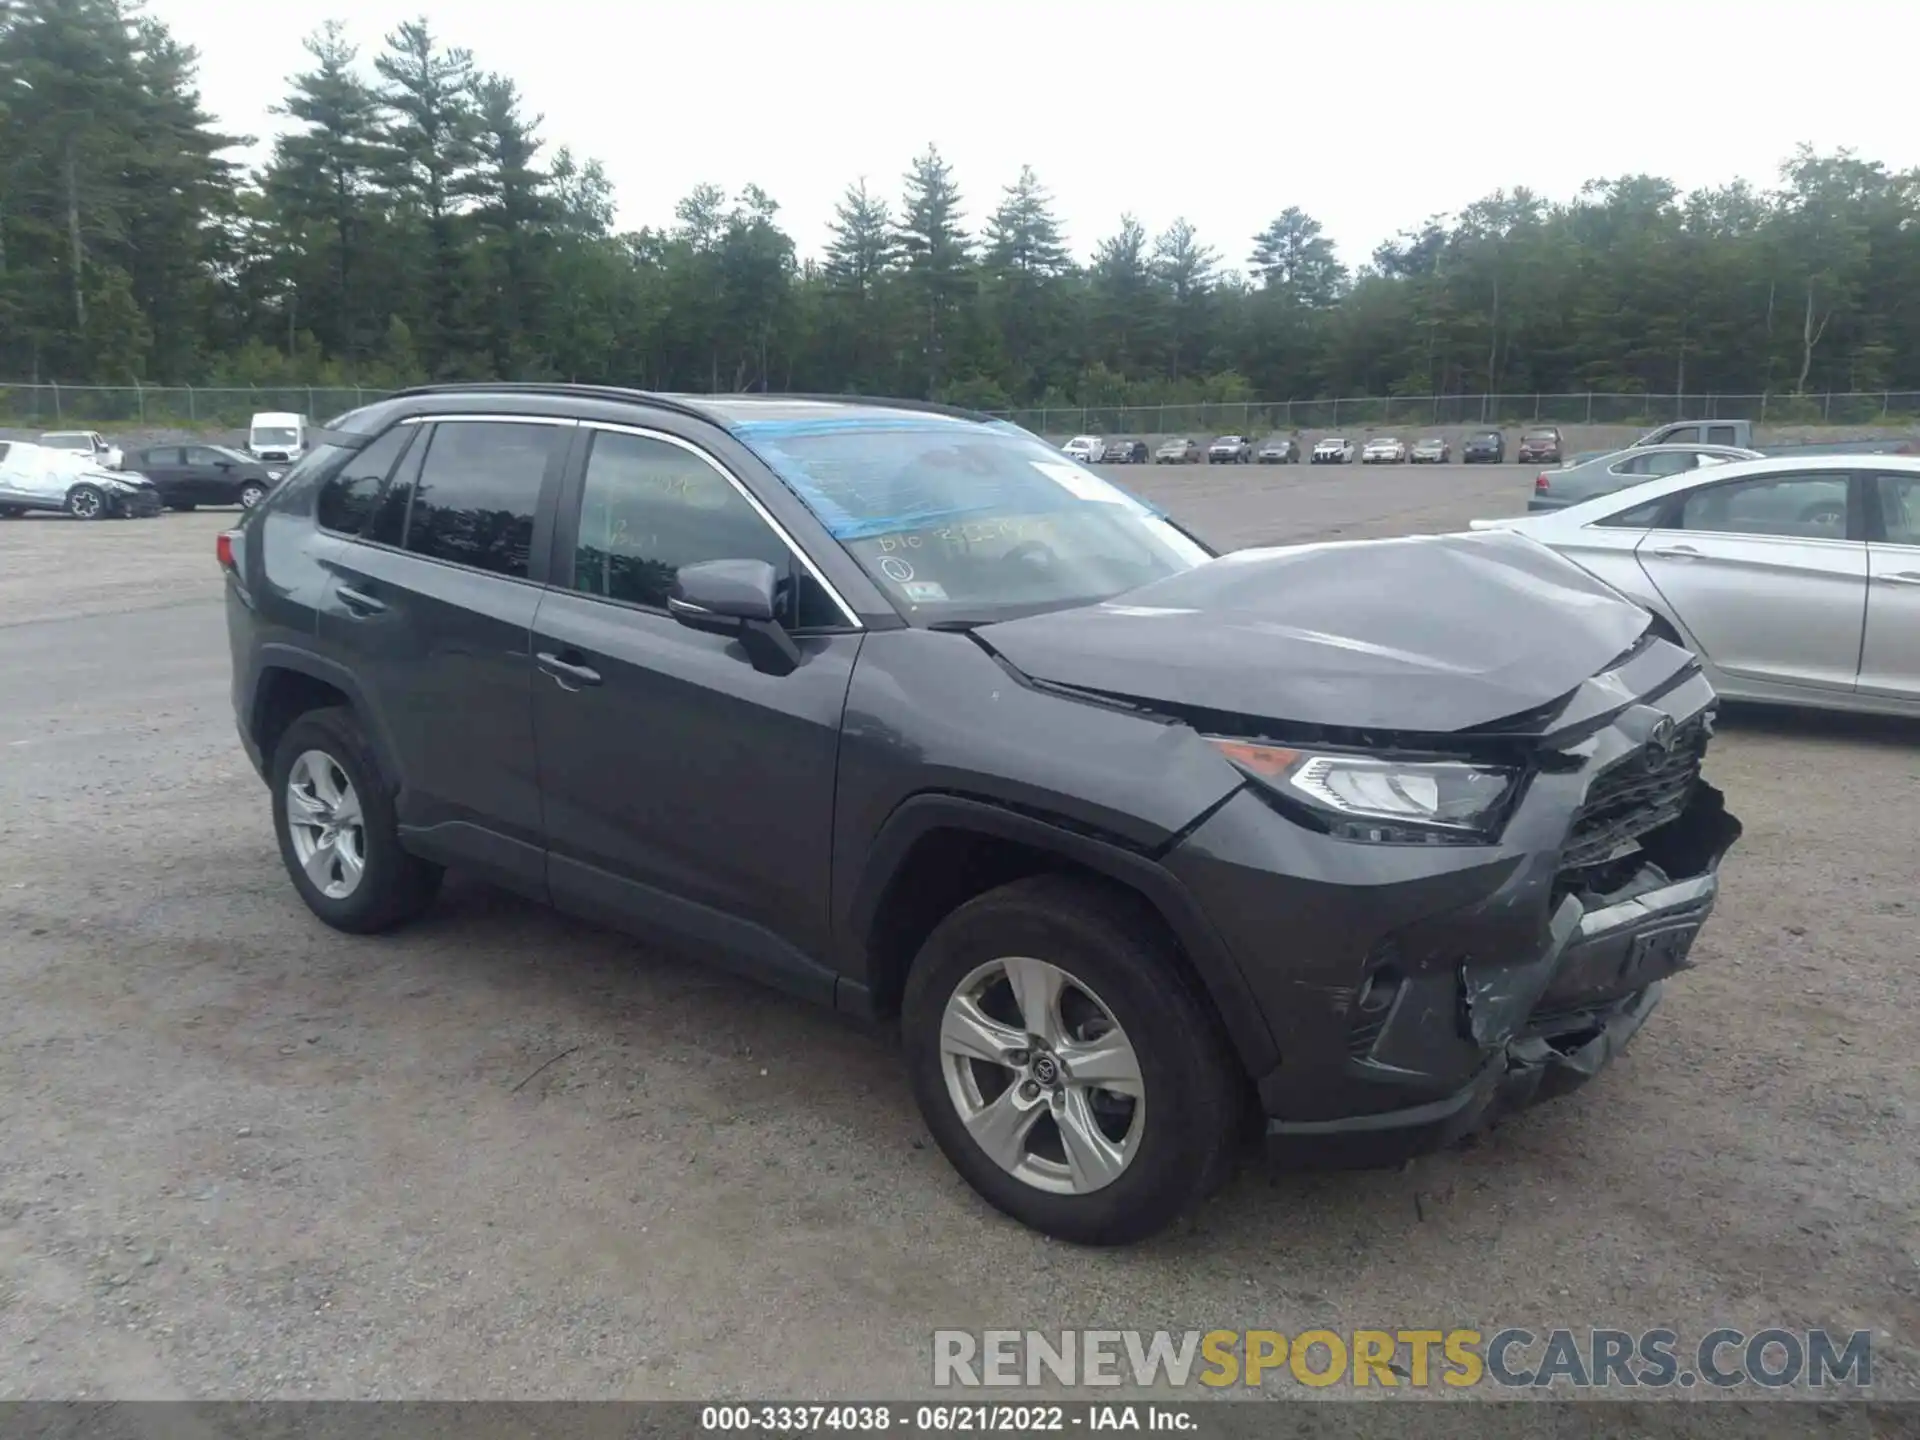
[
  {"x": 277, "y": 655},
  {"x": 920, "y": 815}
]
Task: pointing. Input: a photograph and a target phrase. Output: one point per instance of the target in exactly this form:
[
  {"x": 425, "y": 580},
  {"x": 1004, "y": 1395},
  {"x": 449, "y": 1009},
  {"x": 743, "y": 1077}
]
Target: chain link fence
[
  {"x": 53, "y": 406},
  {"x": 1415, "y": 412}
]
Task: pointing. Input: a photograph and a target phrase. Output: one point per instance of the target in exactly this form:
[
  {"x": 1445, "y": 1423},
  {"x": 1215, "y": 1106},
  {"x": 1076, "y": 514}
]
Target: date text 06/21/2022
[{"x": 947, "y": 1418}]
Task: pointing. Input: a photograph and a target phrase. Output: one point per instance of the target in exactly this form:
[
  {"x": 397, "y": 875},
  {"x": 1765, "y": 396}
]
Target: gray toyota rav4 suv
[{"x": 898, "y": 709}]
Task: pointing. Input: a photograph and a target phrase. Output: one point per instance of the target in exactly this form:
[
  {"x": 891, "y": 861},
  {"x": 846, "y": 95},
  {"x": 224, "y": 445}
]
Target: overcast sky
[{"x": 1368, "y": 114}]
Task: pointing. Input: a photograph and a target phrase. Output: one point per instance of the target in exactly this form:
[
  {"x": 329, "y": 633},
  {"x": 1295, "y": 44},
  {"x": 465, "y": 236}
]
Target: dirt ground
[{"x": 502, "y": 1154}]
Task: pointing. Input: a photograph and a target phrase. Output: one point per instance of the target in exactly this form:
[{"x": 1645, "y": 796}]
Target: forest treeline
[{"x": 413, "y": 223}]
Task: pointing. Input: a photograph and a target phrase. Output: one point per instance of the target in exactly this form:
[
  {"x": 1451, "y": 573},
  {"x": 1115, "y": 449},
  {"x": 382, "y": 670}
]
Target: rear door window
[
  {"x": 1722, "y": 435},
  {"x": 1900, "y": 508},
  {"x": 1807, "y": 507},
  {"x": 477, "y": 494}
]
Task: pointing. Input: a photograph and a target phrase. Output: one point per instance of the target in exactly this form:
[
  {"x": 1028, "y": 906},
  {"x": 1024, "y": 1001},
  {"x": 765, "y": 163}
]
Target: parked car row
[
  {"x": 1542, "y": 444},
  {"x": 41, "y": 477}
]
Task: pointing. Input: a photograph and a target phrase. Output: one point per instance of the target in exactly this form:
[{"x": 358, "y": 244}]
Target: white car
[
  {"x": 1795, "y": 579},
  {"x": 90, "y": 444},
  {"x": 35, "y": 477},
  {"x": 1334, "y": 450},
  {"x": 1384, "y": 450},
  {"x": 1087, "y": 449}
]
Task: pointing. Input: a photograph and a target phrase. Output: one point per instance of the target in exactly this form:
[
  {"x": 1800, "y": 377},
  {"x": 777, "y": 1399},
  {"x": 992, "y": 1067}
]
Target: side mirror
[{"x": 736, "y": 598}]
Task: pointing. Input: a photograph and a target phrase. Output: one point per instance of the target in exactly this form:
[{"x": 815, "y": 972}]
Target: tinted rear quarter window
[
  {"x": 1640, "y": 517},
  {"x": 478, "y": 489},
  {"x": 347, "y": 500}
]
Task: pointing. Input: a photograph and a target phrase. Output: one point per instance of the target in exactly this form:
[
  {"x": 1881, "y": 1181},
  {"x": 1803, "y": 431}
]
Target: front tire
[
  {"x": 1065, "y": 1063},
  {"x": 339, "y": 836},
  {"x": 251, "y": 494},
  {"x": 87, "y": 502}
]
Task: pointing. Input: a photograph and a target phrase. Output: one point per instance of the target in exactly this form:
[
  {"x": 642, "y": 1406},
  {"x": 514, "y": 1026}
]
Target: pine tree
[
  {"x": 512, "y": 212},
  {"x": 1294, "y": 255},
  {"x": 937, "y": 258},
  {"x": 1025, "y": 257},
  {"x": 322, "y": 181},
  {"x": 431, "y": 147},
  {"x": 861, "y": 242}
]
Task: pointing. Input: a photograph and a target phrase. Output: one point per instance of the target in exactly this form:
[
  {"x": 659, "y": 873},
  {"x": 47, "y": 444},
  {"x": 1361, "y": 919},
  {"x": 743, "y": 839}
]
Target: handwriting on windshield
[{"x": 963, "y": 534}]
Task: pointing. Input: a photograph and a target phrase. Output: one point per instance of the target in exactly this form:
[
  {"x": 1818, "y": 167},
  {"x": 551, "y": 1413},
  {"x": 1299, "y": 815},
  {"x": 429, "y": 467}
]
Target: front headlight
[{"x": 1380, "y": 799}]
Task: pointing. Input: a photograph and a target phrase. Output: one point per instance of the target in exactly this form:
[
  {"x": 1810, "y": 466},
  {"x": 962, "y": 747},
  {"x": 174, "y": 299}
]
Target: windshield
[
  {"x": 275, "y": 435},
  {"x": 1543, "y": 435},
  {"x": 964, "y": 522}
]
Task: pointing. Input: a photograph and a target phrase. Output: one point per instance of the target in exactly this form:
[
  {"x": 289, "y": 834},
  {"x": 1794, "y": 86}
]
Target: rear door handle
[
  {"x": 359, "y": 601},
  {"x": 1901, "y": 577},
  {"x": 1676, "y": 552},
  {"x": 568, "y": 672}
]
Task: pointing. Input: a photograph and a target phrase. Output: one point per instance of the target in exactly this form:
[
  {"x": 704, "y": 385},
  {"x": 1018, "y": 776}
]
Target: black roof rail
[
  {"x": 549, "y": 387},
  {"x": 687, "y": 404}
]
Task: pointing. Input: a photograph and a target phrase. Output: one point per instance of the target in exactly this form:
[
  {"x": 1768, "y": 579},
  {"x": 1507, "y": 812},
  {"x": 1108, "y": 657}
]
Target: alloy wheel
[
  {"x": 325, "y": 822},
  {"x": 1042, "y": 1076},
  {"x": 83, "y": 504}
]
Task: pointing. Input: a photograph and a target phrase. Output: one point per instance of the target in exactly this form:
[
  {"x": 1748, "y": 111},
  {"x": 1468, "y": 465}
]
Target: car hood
[{"x": 1433, "y": 634}]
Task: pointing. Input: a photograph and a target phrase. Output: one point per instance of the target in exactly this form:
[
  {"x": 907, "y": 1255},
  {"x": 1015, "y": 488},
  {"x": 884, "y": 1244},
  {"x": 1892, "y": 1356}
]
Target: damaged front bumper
[
  {"x": 1416, "y": 992},
  {"x": 1544, "y": 1028}
]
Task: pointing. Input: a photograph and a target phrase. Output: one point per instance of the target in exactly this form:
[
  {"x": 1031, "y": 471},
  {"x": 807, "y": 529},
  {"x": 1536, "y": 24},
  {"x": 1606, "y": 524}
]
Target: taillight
[
  {"x": 223, "y": 550},
  {"x": 1541, "y": 483}
]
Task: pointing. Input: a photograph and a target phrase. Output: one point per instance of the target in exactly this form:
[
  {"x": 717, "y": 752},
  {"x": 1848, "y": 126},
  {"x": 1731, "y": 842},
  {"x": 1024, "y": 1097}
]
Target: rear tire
[
  {"x": 251, "y": 494},
  {"x": 1164, "y": 1142},
  {"x": 390, "y": 886}
]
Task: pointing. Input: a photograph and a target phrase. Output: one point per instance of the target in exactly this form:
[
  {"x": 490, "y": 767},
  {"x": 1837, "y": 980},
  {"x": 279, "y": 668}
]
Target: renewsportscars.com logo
[{"x": 1772, "y": 1359}]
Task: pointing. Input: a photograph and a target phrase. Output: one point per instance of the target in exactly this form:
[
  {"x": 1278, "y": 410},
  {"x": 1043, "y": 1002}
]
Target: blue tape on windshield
[{"x": 855, "y": 506}]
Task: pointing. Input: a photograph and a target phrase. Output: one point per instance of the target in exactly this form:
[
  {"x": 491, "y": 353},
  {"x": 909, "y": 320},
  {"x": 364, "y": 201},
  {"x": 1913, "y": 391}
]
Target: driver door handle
[
  {"x": 1676, "y": 552},
  {"x": 1901, "y": 577},
  {"x": 359, "y": 601},
  {"x": 567, "y": 672}
]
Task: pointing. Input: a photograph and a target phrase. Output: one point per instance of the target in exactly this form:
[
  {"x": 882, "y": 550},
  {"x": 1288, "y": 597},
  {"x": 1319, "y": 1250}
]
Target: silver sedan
[
  {"x": 1796, "y": 581},
  {"x": 1586, "y": 476}
]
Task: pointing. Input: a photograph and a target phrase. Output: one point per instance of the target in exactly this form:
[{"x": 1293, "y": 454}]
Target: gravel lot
[{"x": 502, "y": 1154}]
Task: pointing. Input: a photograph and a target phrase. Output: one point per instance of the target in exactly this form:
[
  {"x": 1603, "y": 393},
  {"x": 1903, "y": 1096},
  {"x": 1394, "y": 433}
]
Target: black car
[
  {"x": 907, "y": 716},
  {"x": 1125, "y": 452},
  {"x": 190, "y": 475},
  {"x": 1488, "y": 446}
]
